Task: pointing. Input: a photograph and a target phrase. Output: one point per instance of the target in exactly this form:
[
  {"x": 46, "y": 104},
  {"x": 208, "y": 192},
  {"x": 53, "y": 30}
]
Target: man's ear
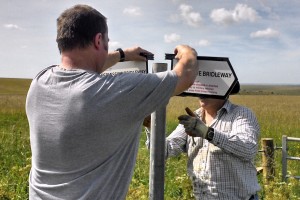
[{"x": 98, "y": 40}]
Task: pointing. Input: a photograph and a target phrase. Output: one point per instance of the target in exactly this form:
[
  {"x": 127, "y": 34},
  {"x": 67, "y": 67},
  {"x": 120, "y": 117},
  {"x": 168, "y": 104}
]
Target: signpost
[
  {"x": 157, "y": 146},
  {"x": 216, "y": 77},
  {"x": 158, "y": 121}
]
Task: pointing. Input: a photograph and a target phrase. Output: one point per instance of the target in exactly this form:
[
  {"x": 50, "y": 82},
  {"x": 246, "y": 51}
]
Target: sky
[{"x": 261, "y": 38}]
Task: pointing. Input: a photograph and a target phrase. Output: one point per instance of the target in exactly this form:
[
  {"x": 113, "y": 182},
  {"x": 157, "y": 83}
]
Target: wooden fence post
[{"x": 268, "y": 158}]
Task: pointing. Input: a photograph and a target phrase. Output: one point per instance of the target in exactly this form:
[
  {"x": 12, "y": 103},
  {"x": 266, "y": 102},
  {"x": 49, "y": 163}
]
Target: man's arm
[
  {"x": 186, "y": 67},
  {"x": 131, "y": 54},
  {"x": 242, "y": 141},
  {"x": 175, "y": 143}
]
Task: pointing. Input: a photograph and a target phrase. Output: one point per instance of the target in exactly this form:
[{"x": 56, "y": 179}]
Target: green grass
[
  {"x": 14, "y": 86},
  {"x": 277, "y": 114},
  {"x": 270, "y": 89}
]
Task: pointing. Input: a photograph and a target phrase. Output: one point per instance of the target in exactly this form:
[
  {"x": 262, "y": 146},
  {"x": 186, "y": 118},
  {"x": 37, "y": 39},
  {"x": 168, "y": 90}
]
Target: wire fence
[{"x": 269, "y": 158}]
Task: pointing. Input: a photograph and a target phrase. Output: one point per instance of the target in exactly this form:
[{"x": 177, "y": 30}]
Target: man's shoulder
[
  {"x": 43, "y": 71},
  {"x": 241, "y": 110}
]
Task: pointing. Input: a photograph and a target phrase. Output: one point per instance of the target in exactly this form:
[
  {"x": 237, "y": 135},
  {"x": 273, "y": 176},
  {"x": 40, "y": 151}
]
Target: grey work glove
[{"x": 193, "y": 126}]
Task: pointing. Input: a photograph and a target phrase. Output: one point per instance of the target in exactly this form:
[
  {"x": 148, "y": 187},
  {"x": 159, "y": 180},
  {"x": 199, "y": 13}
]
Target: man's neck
[
  {"x": 78, "y": 59},
  {"x": 213, "y": 110}
]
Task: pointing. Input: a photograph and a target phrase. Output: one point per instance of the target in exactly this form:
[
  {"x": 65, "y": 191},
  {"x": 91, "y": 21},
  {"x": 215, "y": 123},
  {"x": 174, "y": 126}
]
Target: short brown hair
[{"x": 77, "y": 26}]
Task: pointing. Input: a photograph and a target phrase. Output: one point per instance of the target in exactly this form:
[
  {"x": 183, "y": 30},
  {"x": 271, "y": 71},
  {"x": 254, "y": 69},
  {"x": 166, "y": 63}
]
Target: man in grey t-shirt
[{"x": 84, "y": 128}]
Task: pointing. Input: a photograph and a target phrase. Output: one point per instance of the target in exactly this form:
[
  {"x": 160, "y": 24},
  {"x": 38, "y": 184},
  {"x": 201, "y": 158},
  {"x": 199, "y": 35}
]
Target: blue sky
[{"x": 260, "y": 37}]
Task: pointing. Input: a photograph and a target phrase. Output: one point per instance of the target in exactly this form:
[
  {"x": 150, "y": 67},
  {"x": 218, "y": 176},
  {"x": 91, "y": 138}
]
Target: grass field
[{"x": 277, "y": 109}]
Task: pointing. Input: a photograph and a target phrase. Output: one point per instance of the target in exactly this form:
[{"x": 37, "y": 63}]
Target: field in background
[
  {"x": 270, "y": 89},
  {"x": 277, "y": 109}
]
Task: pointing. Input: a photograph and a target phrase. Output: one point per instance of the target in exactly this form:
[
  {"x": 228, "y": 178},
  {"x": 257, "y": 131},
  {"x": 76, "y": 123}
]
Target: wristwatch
[
  {"x": 210, "y": 134},
  {"x": 122, "y": 54}
]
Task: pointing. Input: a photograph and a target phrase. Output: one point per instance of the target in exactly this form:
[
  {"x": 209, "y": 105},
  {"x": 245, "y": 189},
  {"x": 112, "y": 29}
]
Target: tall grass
[
  {"x": 277, "y": 115},
  {"x": 15, "y": 152}
]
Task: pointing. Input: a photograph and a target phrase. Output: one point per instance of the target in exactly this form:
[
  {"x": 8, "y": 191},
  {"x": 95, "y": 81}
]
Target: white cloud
[
  {"x": 221, "y": 16},
  {"x": 133, "y": 11},
  {"x": 243, "y": 12},
  {"x": 188, "y": 16},
  {"x": 267, "y": 33},
  {"x": 203, "y": 43},
  {"x": 173, "y": 37},
  {"x": 240, "y": 13},
  {"x": 12, "y": 26}
]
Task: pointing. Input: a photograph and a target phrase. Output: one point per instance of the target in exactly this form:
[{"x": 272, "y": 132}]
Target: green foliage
[
  {"x": 277, "y": 114},
  {"x": 15, "y": 156},
  {"x": 281, "y": 190},
  {"x": 14, "y": 86},
  {"x": 270, "y": 89}
]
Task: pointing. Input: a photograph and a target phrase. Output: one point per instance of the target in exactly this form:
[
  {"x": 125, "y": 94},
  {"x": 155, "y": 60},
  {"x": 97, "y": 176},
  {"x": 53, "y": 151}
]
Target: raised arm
[
  {"x": 186, "y": 67},
  {"x": 130, "y": 54}
]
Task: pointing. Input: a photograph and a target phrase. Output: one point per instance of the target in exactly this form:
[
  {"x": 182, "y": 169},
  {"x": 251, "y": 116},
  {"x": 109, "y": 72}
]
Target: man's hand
[
  {"x": 186, "y": 68},
  {"x": 131, "y": 54},
  {"x": 136, "y": 54},
  {"x": 193, "y": 126},
  {"x": 184, "y": 51}
]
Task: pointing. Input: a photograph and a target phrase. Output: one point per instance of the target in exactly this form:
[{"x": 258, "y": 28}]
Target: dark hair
[{"x": 77, "y": 26}]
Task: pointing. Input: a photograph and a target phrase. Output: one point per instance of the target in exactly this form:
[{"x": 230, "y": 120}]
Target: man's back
[{"x": 84, "y": 141}]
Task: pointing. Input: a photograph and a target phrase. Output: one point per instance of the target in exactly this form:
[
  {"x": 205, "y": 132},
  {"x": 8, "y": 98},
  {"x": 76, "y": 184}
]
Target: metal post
[
  {"x": 284, "y": 157},
  {"x": 157, "y": 146}
]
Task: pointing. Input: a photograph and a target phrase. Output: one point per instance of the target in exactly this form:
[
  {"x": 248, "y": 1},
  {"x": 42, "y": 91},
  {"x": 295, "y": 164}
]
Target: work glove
[{"x": 193, "y": 126}]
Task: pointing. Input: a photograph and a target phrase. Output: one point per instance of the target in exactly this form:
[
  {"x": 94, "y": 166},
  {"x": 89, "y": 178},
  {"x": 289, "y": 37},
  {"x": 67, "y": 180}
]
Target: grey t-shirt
[{"x": 84, "y": 130}]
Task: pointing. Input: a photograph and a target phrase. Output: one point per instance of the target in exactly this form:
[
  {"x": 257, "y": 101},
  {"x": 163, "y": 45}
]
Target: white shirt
[{"x": 223, "y": 168}]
